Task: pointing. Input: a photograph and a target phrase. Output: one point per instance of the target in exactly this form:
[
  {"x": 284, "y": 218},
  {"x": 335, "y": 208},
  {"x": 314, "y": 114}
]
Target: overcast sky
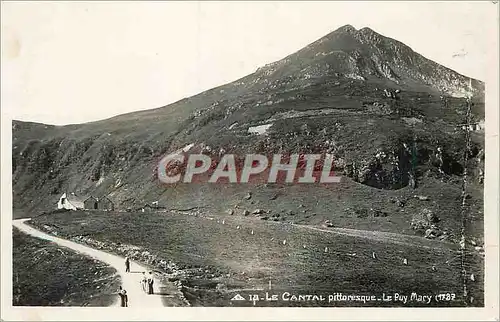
[{"x": 73, "y": 62}]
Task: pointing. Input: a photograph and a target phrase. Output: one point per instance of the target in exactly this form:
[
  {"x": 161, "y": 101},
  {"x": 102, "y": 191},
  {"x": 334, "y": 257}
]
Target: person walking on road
[
  {"x": 123, "y": 297},
  {"x": 127, "y": 265},
  {"x": 144, "y": 281},
  {"x": 150, "y": 283}
]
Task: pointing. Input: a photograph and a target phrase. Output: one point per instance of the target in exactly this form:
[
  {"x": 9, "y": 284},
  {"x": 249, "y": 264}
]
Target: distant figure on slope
[
  {"x": 123, "y": 297},
  {"x": 127, "y": 265},
  {"x": 144, "y": 281},
  {"x": 150, "y": 283}
]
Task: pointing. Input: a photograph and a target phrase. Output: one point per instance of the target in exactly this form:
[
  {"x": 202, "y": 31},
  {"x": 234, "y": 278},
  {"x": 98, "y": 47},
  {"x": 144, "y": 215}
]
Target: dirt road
[
  {"x": 386, "y": 237},
  {"x": 378, "y": 236},
  {"x": 130, "y": 281}
]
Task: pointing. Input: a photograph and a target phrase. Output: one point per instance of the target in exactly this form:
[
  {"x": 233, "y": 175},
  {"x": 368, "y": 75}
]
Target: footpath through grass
[{"x": 225, "y": 254}]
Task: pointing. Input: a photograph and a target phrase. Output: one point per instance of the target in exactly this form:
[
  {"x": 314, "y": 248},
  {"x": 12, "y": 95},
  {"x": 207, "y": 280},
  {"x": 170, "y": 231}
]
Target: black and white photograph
[{"x": 256, "y": 156}]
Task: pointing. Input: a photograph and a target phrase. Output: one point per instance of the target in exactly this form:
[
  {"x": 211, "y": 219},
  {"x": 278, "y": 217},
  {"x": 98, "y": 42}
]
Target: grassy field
[
  {"x": 47, "y": 275},
  {"x": 215, "y": 259}
]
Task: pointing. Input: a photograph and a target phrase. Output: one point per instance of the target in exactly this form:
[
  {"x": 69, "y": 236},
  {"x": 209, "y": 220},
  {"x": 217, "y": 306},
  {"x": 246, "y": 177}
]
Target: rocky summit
[{"x": 397, "y": 124}]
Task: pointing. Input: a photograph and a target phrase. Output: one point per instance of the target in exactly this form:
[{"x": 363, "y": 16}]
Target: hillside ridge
[{"x": 392, "y": 119}]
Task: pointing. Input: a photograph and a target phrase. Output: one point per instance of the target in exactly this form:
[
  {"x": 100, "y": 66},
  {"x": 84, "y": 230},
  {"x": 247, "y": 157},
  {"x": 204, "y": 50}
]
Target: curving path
[{"x": 130, "y": 281}]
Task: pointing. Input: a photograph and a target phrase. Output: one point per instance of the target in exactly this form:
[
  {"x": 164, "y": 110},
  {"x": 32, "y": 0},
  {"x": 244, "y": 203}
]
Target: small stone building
[
  {"x": 105, "y": 203},
  {"x": 74, "y": 202},
  {"x": 90, "y": 203}
]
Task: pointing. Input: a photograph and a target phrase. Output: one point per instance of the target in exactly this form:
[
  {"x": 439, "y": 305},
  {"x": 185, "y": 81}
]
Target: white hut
[{"x": 70, "y": 202}]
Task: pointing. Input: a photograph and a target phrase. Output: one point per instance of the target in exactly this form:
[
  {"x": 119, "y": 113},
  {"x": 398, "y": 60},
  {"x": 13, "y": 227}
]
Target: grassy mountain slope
[{"x": 327, "y": 97}]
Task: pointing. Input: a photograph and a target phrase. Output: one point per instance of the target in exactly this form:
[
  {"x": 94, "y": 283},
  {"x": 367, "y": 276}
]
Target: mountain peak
[
  {"x": 363, "y": 54},
  {"x": 346, "y": 28},
  {"x": 350, "y": 29},
  {"x": 367, "y": 30}
]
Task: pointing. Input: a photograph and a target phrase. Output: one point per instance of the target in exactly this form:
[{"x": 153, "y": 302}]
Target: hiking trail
[{"x": 130, "y": 281}]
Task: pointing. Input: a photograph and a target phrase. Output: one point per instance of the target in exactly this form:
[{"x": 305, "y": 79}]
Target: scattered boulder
[
  {"x": 424, "y": 220},
  {"x": 328, "y": 223},
  {"x": 444, "y": 236},
  {"x": 432, "y": 233},
  {"x": 230, "y": 211},
  {"x": 276, "y": 217},
  {"x": 419, "y": 197},
  {"x": 390, "y": 94},
  {"x": 400, "y": 202},
  {"x": 257, "y": 212},
  {"x": 246, "y": 212},
  {"x": 432, "y": 217},
  {"x": 248, "y": 196},
  {"x": 378, "y": 213},
  {"x": 274, "y": 197}
]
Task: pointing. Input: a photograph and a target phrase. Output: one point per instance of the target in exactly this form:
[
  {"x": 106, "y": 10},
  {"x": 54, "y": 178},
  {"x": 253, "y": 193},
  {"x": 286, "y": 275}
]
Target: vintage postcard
[{"x": 249, "y": 160}]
